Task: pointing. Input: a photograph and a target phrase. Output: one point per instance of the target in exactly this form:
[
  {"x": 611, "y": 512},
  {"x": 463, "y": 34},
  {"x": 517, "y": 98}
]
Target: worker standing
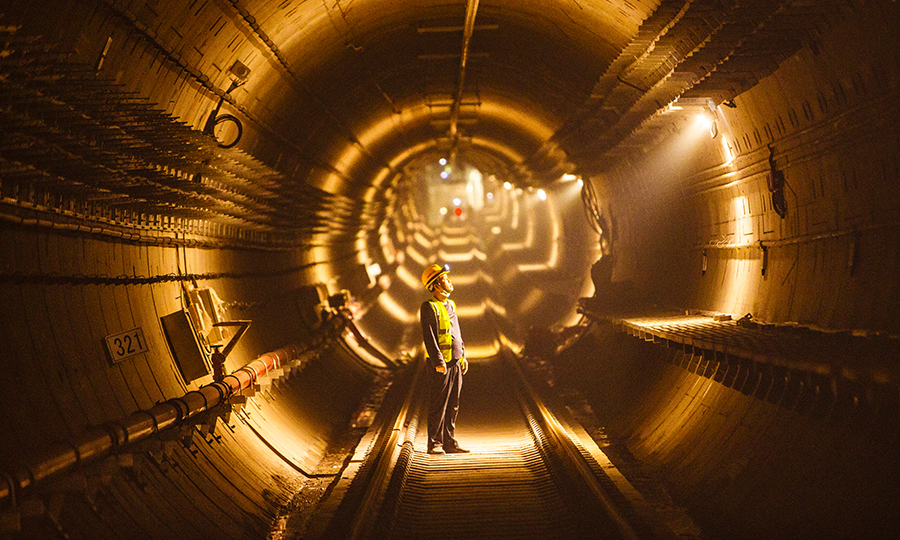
[{"x": 446, "y": 357}]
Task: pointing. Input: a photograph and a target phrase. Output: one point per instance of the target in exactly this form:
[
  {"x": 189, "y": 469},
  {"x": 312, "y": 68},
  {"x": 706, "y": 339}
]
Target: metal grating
[{"x": 861, "y": 357}]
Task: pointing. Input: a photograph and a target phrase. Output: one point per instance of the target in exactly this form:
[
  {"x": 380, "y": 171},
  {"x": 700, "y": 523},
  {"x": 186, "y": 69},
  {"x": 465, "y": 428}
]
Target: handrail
[{"x": 112, "y": 437}]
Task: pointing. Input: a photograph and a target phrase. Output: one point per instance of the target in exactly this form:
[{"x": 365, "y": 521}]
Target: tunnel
[{"x": 678, "y": 218}]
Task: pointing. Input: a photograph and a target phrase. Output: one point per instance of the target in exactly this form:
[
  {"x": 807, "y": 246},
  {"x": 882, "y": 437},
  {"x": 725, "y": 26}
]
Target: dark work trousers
[{"x": 444, "y": 406}]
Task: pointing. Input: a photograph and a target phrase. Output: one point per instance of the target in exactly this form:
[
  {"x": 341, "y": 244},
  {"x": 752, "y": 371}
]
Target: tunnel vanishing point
[{"x": 705, "y": 192}]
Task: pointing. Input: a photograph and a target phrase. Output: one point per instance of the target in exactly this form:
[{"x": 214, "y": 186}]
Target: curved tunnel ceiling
[
  {"x": 385, "y": 76},
  {"x": 522, "y": 91},
  {"x": 350, "y": 105},
  {"x": 115, "y": 204}
]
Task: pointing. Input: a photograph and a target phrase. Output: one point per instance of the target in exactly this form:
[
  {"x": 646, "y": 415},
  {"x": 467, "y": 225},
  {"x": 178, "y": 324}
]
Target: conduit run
[{"x": 113, "y": 437}]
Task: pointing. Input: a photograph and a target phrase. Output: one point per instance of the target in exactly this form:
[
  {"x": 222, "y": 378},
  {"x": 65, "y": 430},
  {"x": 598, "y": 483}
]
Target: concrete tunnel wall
[
  {"x": 749, "y": 456},
  {"x": 59, "y": 380},
  {"x": 765, "y": 460},
  {"x": 832, "y": 116}
]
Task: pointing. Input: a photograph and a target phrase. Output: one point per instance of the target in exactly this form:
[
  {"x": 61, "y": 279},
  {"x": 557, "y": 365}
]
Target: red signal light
[{"x": 458, "y": 211}]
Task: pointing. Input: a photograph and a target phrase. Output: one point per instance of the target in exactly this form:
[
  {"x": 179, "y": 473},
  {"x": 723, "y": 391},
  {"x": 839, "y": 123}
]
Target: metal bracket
[{"x": 242, "y": 325}]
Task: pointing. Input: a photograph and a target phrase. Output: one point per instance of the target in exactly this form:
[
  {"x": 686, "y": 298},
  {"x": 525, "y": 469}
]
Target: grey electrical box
[{"x": 189, "y": 356}]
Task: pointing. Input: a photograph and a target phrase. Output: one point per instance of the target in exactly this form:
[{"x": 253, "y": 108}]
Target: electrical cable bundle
[{"x": 591, "y": 207}]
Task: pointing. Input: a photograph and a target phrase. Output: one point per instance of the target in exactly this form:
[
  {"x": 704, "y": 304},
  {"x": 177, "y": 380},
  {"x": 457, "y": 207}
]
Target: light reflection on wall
[
  {"x": 408, "y": 278},
  {"x": 743, "y": 221},
  {"x": 422, "y": 240},
  {"x": 387, "y": 245},
  {"x": 496, "y": 308},
  {"x": 469, "y": 279},
  {"x": 462, "y": 256},
  {"x": 457, "y": 240},
  {"x": 483, "y": 351},
  {"x": 526, "y": 242},
  {"x": 361, "y": 245},
  {"x": 553, "y": 240},
  {"x": 507, "y": 204},
  {"x": 417, "y": 257},
  {"x": 740, "y": 281},
  {"x": 530, "y": 301},
  {"x": 469, "y": 311},
  {"x": 397, "y": 310}
]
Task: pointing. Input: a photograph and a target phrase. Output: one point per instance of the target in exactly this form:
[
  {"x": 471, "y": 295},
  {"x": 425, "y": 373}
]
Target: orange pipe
[{"x": 110, "y": 438}]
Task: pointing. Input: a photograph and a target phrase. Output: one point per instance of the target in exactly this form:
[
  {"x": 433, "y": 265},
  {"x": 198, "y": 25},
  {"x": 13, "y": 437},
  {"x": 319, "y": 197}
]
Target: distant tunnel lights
[
  {"x": 703, "y": 121},
  {"x": 707, "y": 123}
]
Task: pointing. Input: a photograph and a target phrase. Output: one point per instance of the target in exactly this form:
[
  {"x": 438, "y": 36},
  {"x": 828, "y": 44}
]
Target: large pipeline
[{"x": 114, "y": 437}]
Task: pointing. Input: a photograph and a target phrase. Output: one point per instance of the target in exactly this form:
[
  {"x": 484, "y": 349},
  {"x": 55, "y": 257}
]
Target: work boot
[{"x": 456, "y": 450}]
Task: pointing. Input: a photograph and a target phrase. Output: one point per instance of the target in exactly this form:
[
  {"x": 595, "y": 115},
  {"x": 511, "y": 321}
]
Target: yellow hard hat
[{"x": 431, "y": 273}]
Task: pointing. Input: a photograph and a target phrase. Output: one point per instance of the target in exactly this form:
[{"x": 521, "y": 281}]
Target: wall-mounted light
[
  {"x": 542, "y": 195},
  {"x": 704, "y": 121},
  {"x": 374, "y": 270},
  {"x": 239, "y": 70}
]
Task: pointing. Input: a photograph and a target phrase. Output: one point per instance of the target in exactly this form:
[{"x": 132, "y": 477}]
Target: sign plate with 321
[{"x": 126, "y": 344}]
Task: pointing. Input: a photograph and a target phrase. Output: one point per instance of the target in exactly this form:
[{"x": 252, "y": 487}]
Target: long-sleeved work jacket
[{"x": 429, "y": 315}]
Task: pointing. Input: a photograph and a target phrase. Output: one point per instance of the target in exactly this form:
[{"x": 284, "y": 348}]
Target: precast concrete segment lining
[
  {"x": 114, "y": 436},
  {"x": 821, "y": 469},
  {"x": 62, "y": 322},
  {"x": 83, "y": 141}
]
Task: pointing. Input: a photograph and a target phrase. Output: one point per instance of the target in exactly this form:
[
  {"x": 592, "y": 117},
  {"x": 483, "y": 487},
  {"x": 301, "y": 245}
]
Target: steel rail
[
  {"x": 372, "y": 510},
  {"x": 365, "y": 486},
  {"x": 398, "y": 441},
  {"x": 116, "y": 436},
  {"x": 562, "y": 439}
]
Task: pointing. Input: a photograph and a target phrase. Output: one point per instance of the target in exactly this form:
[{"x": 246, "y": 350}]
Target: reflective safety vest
[{"x": 445, "y": 339}]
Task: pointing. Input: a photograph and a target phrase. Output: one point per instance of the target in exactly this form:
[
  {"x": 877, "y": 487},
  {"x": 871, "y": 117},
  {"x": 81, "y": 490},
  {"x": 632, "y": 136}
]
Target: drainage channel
[{"x": 527, "y": 476}]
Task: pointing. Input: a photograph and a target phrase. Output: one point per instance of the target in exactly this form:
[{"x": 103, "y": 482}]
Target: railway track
[{"x": 530, "y": 474}]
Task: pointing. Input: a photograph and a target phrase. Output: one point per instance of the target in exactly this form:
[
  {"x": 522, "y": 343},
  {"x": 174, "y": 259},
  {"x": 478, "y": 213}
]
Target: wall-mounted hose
[{"x": 215, "y": 119}]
